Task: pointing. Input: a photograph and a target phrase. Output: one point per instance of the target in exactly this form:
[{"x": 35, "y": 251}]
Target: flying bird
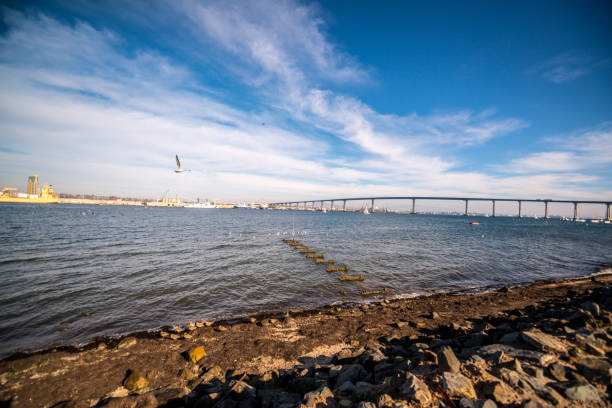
[{"x": 178, "y": 166}]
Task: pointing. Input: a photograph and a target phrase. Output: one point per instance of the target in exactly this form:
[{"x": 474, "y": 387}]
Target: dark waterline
[{"x": 69, "y": 275}]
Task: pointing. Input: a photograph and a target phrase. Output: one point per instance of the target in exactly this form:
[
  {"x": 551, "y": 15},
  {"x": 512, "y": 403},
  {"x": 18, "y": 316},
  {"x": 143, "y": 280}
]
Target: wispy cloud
[
  {"x": 77, "y": 96},
  {"x": 566, "y": 67}
]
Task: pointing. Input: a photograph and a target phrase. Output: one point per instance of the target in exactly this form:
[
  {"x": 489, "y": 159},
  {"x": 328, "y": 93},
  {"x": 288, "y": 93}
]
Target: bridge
[{"x": 520, "y": 202}]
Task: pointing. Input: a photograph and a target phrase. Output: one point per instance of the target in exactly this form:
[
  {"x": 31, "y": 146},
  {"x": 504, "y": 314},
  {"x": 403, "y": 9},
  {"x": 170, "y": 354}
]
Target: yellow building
[
  {"x": 32, "y": 187},
  {"x": 47, "y": 196}
]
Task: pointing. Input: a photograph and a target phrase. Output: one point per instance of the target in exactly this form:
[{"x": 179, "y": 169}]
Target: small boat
[
  {"x": 474, "y": 223},
  {"x": 201, "y": 205}
]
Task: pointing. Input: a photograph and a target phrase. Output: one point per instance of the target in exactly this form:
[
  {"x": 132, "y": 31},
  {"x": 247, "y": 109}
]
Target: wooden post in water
[
  {"x": 520, "y": 209},
  {"x": 466, "y": 208},
  {"x": 546, "y": 209},
  {"x": 344, "y": 206},
  {"x": 493, "y": 201},
  {"x": 608, "y": 212},
  {"x": 414, "y": 206}
]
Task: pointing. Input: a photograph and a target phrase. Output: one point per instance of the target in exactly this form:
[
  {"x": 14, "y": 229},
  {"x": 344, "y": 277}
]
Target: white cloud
[
  {"x": 109, "y": 122},
  {"x": 566, "y": 67}
]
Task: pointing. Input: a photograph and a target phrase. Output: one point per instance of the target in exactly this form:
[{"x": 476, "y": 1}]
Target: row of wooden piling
[{"x": 319, "y": 259}]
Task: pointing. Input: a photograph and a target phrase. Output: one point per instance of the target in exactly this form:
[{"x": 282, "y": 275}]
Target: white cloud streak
[{"x": 109, "y": 122}]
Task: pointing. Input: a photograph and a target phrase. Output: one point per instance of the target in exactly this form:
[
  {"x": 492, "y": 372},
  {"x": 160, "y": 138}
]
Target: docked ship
[{"x": 33, "y": 196}]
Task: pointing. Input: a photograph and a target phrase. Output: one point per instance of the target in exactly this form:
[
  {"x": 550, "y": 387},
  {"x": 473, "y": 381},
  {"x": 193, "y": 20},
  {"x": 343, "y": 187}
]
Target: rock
[
  {"x": 348, "y": 354},
  {"x": 135, "y": 381},
  {"x": 487, "y": 352},
  {"x": 187, "y": 374},
  {"x": 510, "y": 338},
  {"x": 352, "y": 373},
  {"x": 243, "y": 391},
  {"x": 323, "y": 396},
  {"x": 174, "y": 336},
  {"x": 170, "y": 395},
  {"x": 430, "y": 356},
  {"x": 594, "y": 368},
  {"x": 416, "y": 390},
  {"x": 302, "y": 385},
  {"x": 383, "y": 370},
  {"x": 214, "y": 373},
  {"x": 347, "y": 388},
  {"x": 344, "y": 403},
  {"x": 475, "y": 339},
  {"x": 363, "y": 390},
  {"x": 127, "y": 342},
  {"x": 385, "y": 401},
  {"x": 499, "y": 391},
  {"x": 434, "y": 315},
  {"x": 196, "y": 354},
  {"x": 447, "y": 361},
  {"x": 543, "y": 342},
  {"x": 457, "y": 385},
  {"x": 476, "y": 403},
  {"x": 364, "y": 404},
  {"x": 583, "y": 393},
  {"x": 577, "y": 378},
  {"x": 557, "y": 371},
  {"x": 591, "y": 307},
  {"x": 133, "y": 401},
  {"x": 552, "y": 396}
]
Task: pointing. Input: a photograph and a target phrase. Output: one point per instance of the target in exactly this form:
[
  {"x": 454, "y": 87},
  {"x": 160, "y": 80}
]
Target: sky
[{"x": 288, "y": 100}]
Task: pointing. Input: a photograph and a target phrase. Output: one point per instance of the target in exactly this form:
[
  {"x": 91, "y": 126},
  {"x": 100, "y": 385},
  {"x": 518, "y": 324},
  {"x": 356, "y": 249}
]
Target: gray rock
[
  {"x": 302, "y": 385},
  {"x": 278, "y": 399},
  {"x": 543, "y": 359},
  {"x": 476, "y": 403},
  {"x": 543, "y": 342},
  {"x": 347, "y": 388},
  {"x": 476, "y": 339},
  {"x": 583, "y": 393},
  {"x": 447, "y": 361},
  {"x": 416, "y": 390},
  {"x": 352, "y": 373},
  {"x": 552, "y": 396},
  {"x": 383, "y": 370},
  {"x": 591, "y": 307},
  {"x": 365, "y": 404},
  {"x": 321, "y": 396},
  {"x": 510, "y": 338},
  {"x": 557, "y": 371},
  {"x": 594, "y": 368},
  {"x": 457, "y": 385},
  {"x": 499, "y": 391}
]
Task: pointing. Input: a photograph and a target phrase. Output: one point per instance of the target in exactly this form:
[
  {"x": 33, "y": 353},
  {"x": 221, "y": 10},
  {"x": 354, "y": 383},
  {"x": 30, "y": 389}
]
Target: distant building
[{"x": 32, "y": 185}]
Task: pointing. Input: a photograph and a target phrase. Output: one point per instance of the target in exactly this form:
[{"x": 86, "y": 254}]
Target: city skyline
[{"x": 295, "y": 101}]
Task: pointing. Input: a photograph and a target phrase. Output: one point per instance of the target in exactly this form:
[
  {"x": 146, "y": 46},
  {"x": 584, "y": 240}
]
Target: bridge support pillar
[
  {"x": 575, "y": 211},
  {"x": 331, "y": 207},
  {"x": 344, "y": 206},
  {"x": 493, "y": 201},
  {"x": 546, "y": 210},
  {"x": 372, "y": 209},
  {"x": 414, "y": 206},
  {"x": 520, "y": 209},
  {"x": 466, "y": 208},
  {"x": 608, "y": 212}
]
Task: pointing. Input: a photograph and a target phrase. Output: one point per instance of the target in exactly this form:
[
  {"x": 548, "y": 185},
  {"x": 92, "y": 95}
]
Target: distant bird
[{"x": 178, "y": 166}]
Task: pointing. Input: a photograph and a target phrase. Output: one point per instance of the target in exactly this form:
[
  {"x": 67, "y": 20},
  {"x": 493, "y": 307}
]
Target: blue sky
[{"x": 281, "y": 100}]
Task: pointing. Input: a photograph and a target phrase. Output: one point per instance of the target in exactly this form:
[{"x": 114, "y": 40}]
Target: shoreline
[
  {"x": 94, "y": 374},
  {"x": 110, "y": 340}
]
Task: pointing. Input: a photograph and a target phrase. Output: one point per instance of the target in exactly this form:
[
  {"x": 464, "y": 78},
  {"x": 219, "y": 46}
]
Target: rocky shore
[{"x": 547, "y": 344}]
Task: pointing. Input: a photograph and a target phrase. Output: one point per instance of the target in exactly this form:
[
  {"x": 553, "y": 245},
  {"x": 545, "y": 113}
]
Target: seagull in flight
[{"x": 178, "y": 166}]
